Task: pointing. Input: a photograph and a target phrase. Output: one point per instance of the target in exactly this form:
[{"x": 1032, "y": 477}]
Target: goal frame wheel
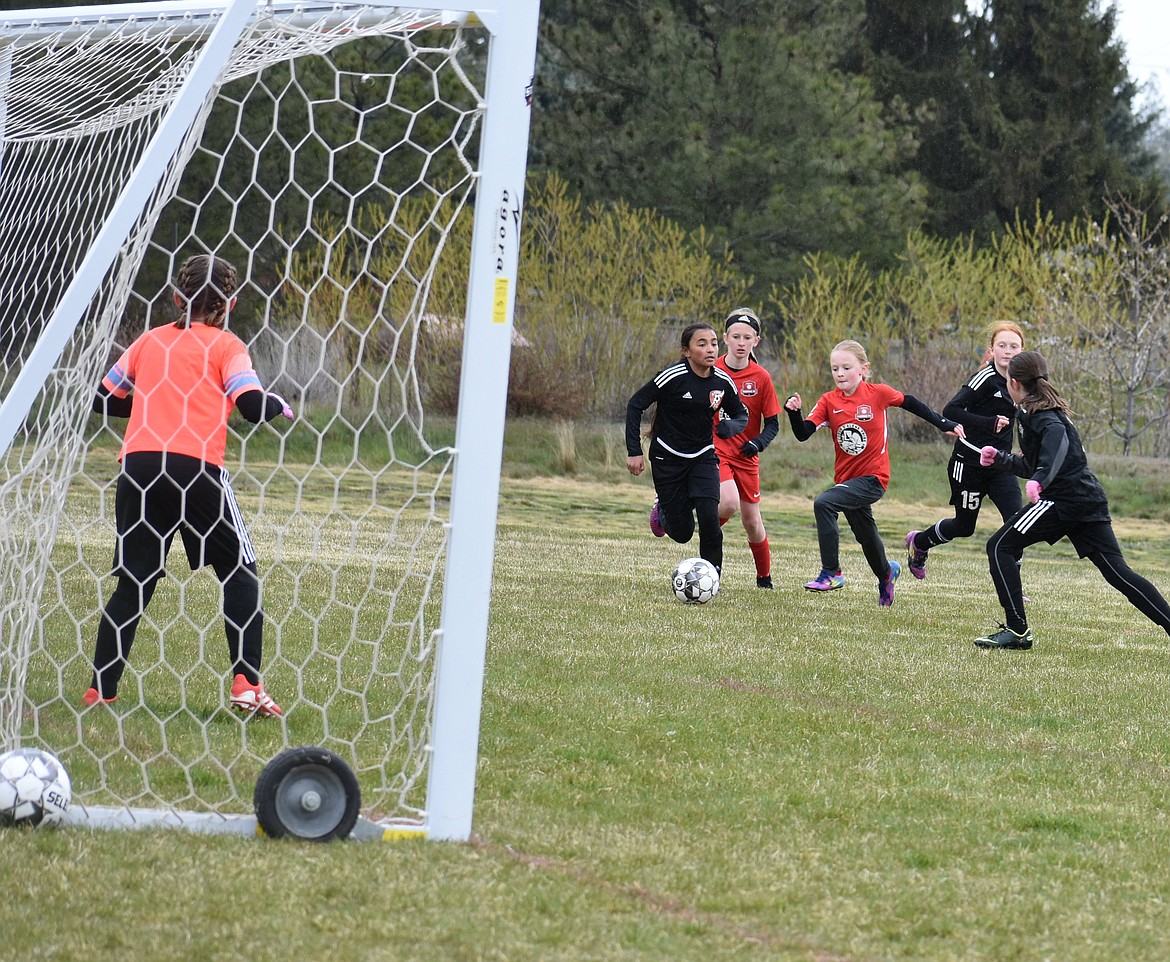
[{"x": 309, "y": 793}]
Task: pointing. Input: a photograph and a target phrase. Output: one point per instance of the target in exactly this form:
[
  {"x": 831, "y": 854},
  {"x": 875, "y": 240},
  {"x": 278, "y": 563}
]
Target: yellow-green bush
[
  {"x": 604, "y": 291},
  {"x": 1091, "y": 297},
  {"x": 603, "y": 294}
]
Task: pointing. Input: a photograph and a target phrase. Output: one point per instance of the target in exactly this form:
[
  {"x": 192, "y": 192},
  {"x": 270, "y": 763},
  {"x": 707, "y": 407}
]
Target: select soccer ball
[
  {"x": 695, "y": 581},
  {"x": 34, "y": 788}
]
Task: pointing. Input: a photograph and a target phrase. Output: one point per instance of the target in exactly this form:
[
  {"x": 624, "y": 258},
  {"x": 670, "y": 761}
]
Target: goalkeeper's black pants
[{"x": 243, "y": 623}]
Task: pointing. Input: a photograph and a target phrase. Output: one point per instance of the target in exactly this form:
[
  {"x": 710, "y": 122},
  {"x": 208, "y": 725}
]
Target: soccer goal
[{"x": 362, "y": 164}]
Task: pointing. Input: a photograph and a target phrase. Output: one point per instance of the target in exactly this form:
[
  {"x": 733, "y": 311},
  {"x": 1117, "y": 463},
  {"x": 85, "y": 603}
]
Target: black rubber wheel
[{"x": 308, "y": 793}]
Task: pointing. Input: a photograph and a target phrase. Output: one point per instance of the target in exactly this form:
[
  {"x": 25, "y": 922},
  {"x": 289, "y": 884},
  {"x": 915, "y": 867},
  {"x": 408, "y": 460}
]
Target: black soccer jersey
[
  {"x": 1052, "y": 454},
  {"x": 976, "y": 406},
  {"x": 687, "y": 404}
]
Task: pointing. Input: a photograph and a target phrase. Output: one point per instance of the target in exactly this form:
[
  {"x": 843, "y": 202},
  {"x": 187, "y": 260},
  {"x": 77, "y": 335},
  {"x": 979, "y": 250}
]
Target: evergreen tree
[
  {"x": 1022, "y": 103},
  {"x": 918, "y": 56},
  {"x": 735, "y": 117}
]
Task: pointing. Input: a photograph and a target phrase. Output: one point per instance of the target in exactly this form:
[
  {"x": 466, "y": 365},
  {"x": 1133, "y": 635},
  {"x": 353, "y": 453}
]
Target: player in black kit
[
  {"x": 683, "y": 462},
  {"x": 986, "y": 412},
  {"x": 1065, "y": 500}
]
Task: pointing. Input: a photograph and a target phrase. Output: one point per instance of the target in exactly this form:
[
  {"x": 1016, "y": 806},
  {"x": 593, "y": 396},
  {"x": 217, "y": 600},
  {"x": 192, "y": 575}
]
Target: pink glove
[
  {"x": 988, "y": 455},
  {"x": 285, "y": 407},
  {"x": 1033, "y": 489}
]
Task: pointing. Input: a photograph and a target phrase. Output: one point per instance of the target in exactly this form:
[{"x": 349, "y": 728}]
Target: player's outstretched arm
[
  {"x": 260, "y": 406},
  {"x": 923, "y": 410},
  {"x": 992, "y": 457}
]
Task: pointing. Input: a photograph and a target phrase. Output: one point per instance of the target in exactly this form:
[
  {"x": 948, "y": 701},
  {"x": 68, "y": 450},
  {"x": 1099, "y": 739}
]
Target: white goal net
[{"x": 362, "y": 166}]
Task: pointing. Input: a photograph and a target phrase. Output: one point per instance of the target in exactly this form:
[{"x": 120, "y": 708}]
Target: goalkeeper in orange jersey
[{"x": 177, "y": 384}]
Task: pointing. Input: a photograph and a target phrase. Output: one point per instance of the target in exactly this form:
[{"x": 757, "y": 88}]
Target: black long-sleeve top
[
  {"x": 976, "y": 406},
  {"x": 687, "y": 404},
  {"x": 1051, "y": 453},
  {"x": 256, "y": 406}
]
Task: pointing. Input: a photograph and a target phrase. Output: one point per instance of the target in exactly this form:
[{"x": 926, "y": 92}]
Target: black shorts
[
  {"x": 159, "y": 494},
  {"x": 1042, "y": 522},
  {"x": 679, "y": 481},
  {"x": 971, "y": 483}
]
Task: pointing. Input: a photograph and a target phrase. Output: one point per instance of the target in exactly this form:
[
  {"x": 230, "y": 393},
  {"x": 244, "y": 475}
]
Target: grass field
[{"x": 781, "y": 776}]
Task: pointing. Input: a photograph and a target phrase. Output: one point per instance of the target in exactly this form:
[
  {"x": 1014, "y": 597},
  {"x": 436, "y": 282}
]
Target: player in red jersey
[
  {"x": 739, "y": 457},
  {"x": 855, "y": 411},
  {"x": 177, "y": 384}
]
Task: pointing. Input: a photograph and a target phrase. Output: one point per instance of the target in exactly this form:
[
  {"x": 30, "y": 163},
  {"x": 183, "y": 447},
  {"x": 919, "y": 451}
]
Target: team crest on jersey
[
  {"x": 864, "y": 412},
  {"x": 851, "y": 438},
  {"x": 749, "y": 389},
  {"x": 716, "y": 398}
]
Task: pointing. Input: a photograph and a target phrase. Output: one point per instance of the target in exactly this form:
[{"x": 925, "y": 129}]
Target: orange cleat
[{"x": 251, "y": 699}]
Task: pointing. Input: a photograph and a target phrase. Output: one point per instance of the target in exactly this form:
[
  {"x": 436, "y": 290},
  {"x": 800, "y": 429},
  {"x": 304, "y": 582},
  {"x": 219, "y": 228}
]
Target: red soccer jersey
[
  {"x": 860, "y": 434},
  {"x": 758, "y": 394},
  {"x": 185, "y": 383}
]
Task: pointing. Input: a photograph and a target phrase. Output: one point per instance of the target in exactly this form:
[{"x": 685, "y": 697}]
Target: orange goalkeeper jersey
[{"x": 185, "y": 383}]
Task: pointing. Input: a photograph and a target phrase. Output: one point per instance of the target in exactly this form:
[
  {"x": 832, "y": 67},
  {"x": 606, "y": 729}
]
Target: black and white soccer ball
[
  {"x": 695, "y": 581},
  {"x": 34, "y": 788}
]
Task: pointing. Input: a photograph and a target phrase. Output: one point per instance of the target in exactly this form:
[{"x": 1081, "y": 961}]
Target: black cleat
[
  {"x": 764, "y": 582},
  {"x": 1006, "y": 638}
]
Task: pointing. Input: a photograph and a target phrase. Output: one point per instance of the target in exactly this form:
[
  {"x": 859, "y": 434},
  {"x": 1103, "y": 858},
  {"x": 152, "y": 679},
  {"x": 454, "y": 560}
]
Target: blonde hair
[
  {"x": 994, "y": 330},
  {"x": 206, "y": 285},
  {"x": 854, "y": 348}
]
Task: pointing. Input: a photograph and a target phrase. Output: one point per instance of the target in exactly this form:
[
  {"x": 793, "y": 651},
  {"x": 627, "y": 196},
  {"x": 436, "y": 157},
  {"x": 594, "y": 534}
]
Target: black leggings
[
  {"x": 1141, "y": 594},
  {"x": 682, "y": 528},
  {"x": 243, "y": 624},
  {"x": 1004, "y": 548}
]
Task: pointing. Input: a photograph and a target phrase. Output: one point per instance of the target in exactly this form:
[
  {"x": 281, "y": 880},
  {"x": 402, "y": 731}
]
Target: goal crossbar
[{"x": 194, "y": 15}]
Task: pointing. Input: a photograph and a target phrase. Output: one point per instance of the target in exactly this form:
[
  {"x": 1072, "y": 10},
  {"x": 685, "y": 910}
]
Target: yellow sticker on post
[{"x": 500, "y": 301}]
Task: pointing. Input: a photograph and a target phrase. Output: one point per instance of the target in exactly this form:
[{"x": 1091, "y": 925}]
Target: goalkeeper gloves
[
  {"x": 285, "y": 407},
  {"x": 1034, "y": 490}
]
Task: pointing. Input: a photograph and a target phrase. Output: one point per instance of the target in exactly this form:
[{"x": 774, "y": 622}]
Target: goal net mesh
[{"x": 333, "y": 165}]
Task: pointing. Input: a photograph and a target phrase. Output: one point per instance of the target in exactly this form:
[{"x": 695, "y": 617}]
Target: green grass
[{"x": 780, "y": 776}]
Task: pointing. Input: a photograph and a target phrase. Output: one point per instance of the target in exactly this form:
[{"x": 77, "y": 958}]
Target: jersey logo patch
[
  {"x": 864, "y": 412},
  {"x": 687, "y": 396},
  {"x": 852, "y": 439},
  {"x": 716, "y": 398},
  {"x": 749, "y": 389}
]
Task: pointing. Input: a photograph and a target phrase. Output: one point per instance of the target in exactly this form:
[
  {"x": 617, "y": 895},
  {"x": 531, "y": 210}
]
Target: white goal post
[{"x": 362, "y": 165}]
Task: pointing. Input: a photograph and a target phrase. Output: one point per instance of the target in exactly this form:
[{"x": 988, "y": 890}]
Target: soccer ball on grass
[
  {"x": 34, "y": 788},
  {"x": 695, "y": 581}
]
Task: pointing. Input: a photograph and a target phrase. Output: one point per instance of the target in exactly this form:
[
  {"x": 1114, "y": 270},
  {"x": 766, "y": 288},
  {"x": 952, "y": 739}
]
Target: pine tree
[
  {"x": 1024, "y": 103},
  {"x": 918, "y": 56},
  {"x": 735, "y": 117}
]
